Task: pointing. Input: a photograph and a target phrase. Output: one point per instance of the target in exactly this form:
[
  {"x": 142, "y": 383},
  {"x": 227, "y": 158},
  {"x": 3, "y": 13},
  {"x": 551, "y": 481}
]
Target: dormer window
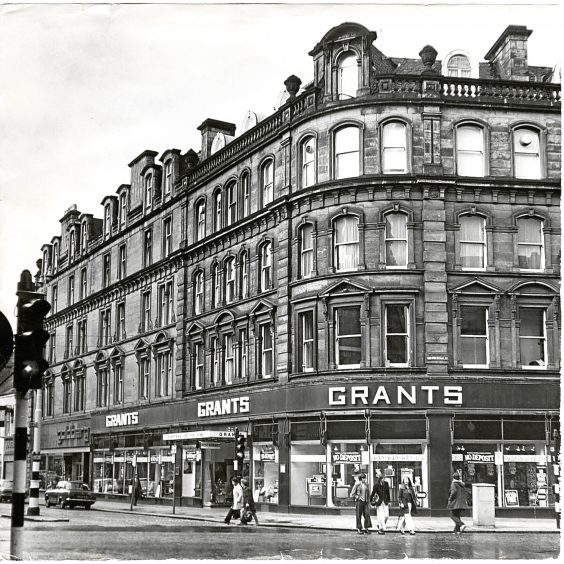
[
  {"x": 72, "y": 246},
  {"x": 458, "y": 65},
  {"x": 148, "y": 193},
  {"x": 55, "y": 256},
  {"x": 107, "y": 221},
  {"x": 168, "y": 178},
  {"x": 84, "y": 238},
  {"x": 347, "y": 77},
  {"x": 122, "y": 209}
]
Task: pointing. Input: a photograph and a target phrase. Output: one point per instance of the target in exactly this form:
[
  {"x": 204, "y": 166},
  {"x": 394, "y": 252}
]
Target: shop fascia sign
[
  {"x": 122, "y": 419},
  {"x": 73, "y": 433},
  {"x": 268, "y": 454},
  {"x": 398, "y": 395},
  {"x": 206, "y": 434},
  {"x": 226, "y": 406}
]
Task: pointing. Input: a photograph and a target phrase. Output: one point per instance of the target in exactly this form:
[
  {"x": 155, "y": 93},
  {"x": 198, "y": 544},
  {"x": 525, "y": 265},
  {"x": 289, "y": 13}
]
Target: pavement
[{"x": 216, "y": 515}]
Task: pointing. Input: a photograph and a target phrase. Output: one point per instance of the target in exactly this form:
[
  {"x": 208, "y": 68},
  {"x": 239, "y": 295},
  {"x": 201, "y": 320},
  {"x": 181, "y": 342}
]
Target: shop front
[
  {"x": 512, "y": 453},
  {"x": 65, "y": 452}
]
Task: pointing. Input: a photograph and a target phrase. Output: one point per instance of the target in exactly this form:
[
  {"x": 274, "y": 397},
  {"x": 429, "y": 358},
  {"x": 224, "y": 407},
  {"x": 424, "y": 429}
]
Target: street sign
[{"x": 6, "y": 341}]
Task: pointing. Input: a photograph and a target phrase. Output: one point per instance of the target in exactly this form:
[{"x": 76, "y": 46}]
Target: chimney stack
[
  {"x": 210, "y": 128},
  {"x": 509, "y": 53}
]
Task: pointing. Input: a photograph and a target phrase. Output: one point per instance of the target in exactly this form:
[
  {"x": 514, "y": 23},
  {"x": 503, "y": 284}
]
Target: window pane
[
  {"x": 396, "y": 348},
  {"x": 349, "y": 351},
  {"x": 532, "y": 352},
  {"x": 473, "y": 320},
  {"x": 347, "y": 165},
  {"x": 348, "y": 321},
  {"x": 530, "y": 230},
  {"x": 473, "y": 350},
  {"x": 396, "y": 226},
  {"x": 394, "y": 135},
  {"x": 348, "y": 77},
  {"x": 471, "y": 228},
  {"x": 396, "y": 253},
  {"x": 395, "y": 319},
  {"x": 471, "y": 255},
  {"x": 530, "y": 257},
  {"x": 532, "y": 322},
  {"x": 394, "y": 160}
]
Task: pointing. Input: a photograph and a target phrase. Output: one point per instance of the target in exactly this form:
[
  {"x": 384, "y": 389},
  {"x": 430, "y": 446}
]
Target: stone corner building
[{"x": 366, "y": 279}]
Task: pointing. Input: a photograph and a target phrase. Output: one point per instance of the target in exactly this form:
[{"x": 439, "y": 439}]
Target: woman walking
[
  {"x": 249, "y": 509},
  {"x": 457, "y": 503},
  {"x": 408, "y": 506},
  {"x": 237, "y": 505}
]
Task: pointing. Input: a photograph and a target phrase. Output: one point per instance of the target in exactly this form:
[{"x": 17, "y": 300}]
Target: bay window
[{"x": 347, "y": 152}]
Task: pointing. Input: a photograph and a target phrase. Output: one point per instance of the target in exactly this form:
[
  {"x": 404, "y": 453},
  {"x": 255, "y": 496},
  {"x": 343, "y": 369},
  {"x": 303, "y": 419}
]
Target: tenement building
[{"x": 367, "y": 279}]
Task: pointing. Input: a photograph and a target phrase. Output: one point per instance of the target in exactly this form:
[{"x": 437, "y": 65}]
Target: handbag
[{"x": 247, "y": 515}]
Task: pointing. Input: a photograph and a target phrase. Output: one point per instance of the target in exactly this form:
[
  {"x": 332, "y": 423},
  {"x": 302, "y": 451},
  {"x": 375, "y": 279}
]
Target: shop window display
[
  {"x": 265, "y": 473},
  {"x": 476, "y": 463},
  {"x": 308, "y": 473},
  {"x": 348, "y": 460},
  {"x": 396, "y": 461}
]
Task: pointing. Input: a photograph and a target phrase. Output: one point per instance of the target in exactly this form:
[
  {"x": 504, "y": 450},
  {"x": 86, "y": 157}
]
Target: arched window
[
  {"x": 267, "y": 180},
  {"x": 306, "y": 250},
  {"x": 148, "y": 193},
  {"x": 396, "y": 240},
  {"x": 231, "y": 202},
  {"x": 244, "y": 274},
  {"x": 79, "y": 397},
  {"x": 530, "y": 243},
  {"x": 216, "y": 286},
  {"x": 458, "y": 65},
  {"x": 470, "y": 150},
  {"x": 122, "y": 209},
  {"x": 394, "y": 147},
  {"x": 200, "y": 220},
  {"x": 229, "y": 271},
  {"x": 84, "y": 237},
  {"x": 345, "y": 236},
  {"x": 347, "y": 152},
  {"x": 245, "y": 194},
  {"x": 217, "y": 203},
  {"x": 265, "y": 261},
  {"x": 308, "y": 162},
  {"x": 347, "y": 76},
  {"x": 198, "y": 292},
  {"x": 472, "y": 242},
  {"x": 67, "y": 389},
  {"x": 526, "y": 153},
  {"x": 55, "y": 257}
]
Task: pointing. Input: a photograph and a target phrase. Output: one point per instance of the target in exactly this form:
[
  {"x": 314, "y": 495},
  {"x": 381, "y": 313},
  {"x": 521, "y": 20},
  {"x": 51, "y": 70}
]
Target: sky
[{"x": 85, "y": 88}]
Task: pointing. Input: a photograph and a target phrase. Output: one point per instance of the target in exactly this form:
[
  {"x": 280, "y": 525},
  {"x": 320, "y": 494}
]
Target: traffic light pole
[
  {"x": 33, "y": 507},
  {"x": 18, "y": 495}
]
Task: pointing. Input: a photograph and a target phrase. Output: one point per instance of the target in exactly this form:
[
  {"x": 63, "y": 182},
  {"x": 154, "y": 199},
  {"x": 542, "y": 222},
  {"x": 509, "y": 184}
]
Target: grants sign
[
  {"x": 122, "y": 419},
  {"x": 223, "y": 407},
  {"x": 392, "y": 394}
]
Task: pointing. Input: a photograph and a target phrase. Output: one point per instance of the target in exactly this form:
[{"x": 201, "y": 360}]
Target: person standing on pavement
[
  {"x": 237, "y": 503},
  {"x": 248, "y": 504},
  {"x": 408, "y": 506},
  {"x": 137, "y": 490},
  {"x": 457, "y": 503},
  {"x": 361, "y": 495},
  {"x": 381, "y": 497}
]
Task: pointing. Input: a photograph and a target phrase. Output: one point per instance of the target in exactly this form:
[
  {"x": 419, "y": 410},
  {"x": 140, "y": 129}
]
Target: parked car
[
  {"x": 6, "y": 488},
  {"x": 70, "y": 493}
]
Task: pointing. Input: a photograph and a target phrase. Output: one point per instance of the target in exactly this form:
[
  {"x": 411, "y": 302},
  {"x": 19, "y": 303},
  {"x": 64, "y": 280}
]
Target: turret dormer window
[
  {"x": 84, "y": 238},
  {"x": 167, "y": 179},
  {"x": 122, "y": 209},
  {"x": 347, "y": 76},
  {"x": 72, "y": 246}
]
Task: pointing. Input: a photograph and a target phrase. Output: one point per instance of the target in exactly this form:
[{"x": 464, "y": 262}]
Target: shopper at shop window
[
  {"x": 237, "y": 503},
  {"x": 457, "y": 503},
  {"x": 361, "y": 495},
  {"x": 408, "y": 506},
  {"x": 249, "y": 510},
  {"x": 380, "y": 496}
]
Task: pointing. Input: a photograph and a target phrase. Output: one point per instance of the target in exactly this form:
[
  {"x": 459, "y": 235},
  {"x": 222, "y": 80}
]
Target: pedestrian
[
  {"x": 380, "y": 496},
  {"x": 237, "y": 503},
  {"x": 249, "y": 509},
  {"x": 457, "y": 503},
  {"x": 361, "y": 495},
  {"x": 137, "y": 490},
  {"x": 408, "y": 506}
]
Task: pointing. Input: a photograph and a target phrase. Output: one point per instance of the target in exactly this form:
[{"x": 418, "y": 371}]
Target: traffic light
[
  {"x": 240, "y": 441},
  {"x": 29, "y": 364}
]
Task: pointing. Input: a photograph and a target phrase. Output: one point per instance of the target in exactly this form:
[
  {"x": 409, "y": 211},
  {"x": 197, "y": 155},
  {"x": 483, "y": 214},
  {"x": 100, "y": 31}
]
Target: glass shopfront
[
  {"x": 192, "y": 471},
  {"x": 308, "y": 472},
  {"x": 265, "y": 473},
  {"x": 114, "y": 471},
  {"x": 67, "y": 466},
  {"x": 398, "y": 460},
  {"x": 347, "y": 461}
]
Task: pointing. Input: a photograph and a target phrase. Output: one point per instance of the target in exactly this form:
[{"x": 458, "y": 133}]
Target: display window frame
[{"x": 263, "y": 492}]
